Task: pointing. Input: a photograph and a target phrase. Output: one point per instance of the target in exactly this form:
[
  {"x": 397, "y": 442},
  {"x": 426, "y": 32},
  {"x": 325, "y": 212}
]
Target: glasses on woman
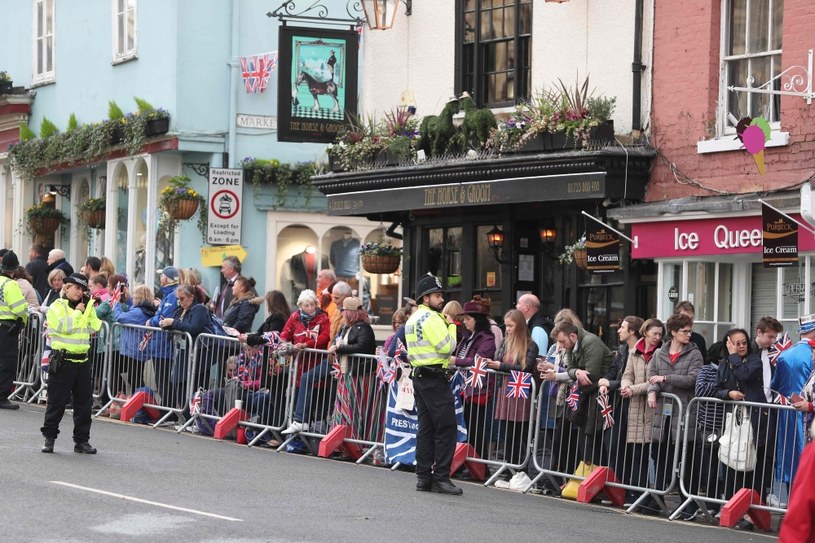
[{"x": 686, "y": 331}]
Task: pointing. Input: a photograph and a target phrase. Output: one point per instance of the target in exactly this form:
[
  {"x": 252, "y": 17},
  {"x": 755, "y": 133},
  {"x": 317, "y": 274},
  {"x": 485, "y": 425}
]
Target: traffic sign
[{"x": 225, "y": 195}]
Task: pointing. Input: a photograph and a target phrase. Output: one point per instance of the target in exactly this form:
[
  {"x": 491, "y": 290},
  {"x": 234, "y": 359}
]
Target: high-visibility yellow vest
[
  {"x": 12, "y": 302},
  {"x": 70, "y": 329},
  {"x": 430, "y": 339}
]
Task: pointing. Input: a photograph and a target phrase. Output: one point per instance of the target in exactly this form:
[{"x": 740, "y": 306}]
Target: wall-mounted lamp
[
  {"x": 380, "y": 14},
  {"x": 495, "y": 241},
  {"x": 547, "y": 234},
  {"x": 62, "y": 190}
]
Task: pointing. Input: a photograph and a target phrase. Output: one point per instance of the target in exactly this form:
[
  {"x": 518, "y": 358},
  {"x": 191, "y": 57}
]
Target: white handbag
[{"x": 737, "y": 449}]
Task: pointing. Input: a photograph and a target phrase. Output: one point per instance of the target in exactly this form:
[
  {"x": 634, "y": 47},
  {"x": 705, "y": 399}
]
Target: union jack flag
[
  {"x": 780, "y": 399},
  {"x": 336, "y": 369},
  {"x": 401, "y": 351},
  {"x": 310, "y": 334},
  {"x": 519, "y": 385},
  {"x": 145, "y": 340},
  {"x": 605, "y": 410},
  {"x": 114, "y": 298},
  {"x": 195, "y": 403},
  {"x": 256, "y": 71},
  {"x": 385, "y": 371},
  {"x": 782, "y": 344},
  {"x": 574, "y": 397},
  {"x": 478, "y": 371}
]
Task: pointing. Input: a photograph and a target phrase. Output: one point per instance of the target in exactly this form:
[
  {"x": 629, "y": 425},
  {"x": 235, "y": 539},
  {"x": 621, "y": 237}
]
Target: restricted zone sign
[{"x": 225, "y": 197}]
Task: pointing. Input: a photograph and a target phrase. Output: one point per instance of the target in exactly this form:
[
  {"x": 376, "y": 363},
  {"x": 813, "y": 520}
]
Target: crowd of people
[{"x": 655, "y": 365}]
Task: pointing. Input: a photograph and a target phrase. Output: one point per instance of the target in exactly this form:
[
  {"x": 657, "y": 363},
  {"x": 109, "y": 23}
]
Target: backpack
[
  {"x": 218, "y": 325},
  {"x": 203, "y": 403}
]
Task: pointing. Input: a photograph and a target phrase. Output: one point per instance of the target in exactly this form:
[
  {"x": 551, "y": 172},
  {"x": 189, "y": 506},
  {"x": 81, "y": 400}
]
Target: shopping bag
[{"x": 737, "y": 449}]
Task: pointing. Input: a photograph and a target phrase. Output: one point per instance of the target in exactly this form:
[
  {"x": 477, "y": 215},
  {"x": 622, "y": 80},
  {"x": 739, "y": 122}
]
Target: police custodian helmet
[{"x": 428, "y": 284}]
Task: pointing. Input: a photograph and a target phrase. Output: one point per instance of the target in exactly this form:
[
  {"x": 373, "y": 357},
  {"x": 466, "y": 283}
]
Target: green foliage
[
  {"x": 270, "y": 172},
  {"x": 93, "y": 204},
  {"x": 143, "y": 105},
  {"x": 180, "y": 188},
  {"x": 114, "y": 111},
  {"x": 41, "y": 211},
  {"x": 477, "y": 125},
  {"x": 73, "y": 124},
  {"x": 381, "y": 247},
  {"x": 567, "y": 257},
  {"x": 47, "y": 128},
  {"x": 26, "y": 133},
  {"x": 5, "y": 77},
  {"x": 602, "y": 108}
]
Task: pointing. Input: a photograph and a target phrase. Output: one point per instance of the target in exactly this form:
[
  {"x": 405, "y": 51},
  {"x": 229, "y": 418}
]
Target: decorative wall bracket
[
  {"x": 794, "y": 81},
  {"x": 200, "y": 168},
  {"x": 315, "y": 11}
]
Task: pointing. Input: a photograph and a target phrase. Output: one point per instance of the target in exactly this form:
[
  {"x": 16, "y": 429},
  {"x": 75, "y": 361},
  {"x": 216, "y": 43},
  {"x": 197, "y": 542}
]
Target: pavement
[{"x": 156, "y": 485}]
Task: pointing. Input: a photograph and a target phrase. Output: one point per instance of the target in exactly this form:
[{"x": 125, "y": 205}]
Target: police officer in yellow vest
[
  {"x": 431, "y": 339},
  {"x": 13, "y": 316},
  {"x": 71, "y": 321}
]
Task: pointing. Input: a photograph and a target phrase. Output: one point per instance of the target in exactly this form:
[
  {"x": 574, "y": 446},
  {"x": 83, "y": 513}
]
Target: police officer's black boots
[
  {"x": 84, "y": 448},
  {"x": 48, "y": 446}
]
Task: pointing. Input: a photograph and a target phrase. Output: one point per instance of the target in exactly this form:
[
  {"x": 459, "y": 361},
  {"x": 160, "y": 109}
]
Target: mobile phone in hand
[{"x": 795, "y": 398}]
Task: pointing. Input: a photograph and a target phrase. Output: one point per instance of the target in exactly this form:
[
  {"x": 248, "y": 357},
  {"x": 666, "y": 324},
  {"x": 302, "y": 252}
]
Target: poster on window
[
  {"x": 780, "y": 239},
  {"x": 602, "y": 249},
  {"x": 317, "y": 86}
]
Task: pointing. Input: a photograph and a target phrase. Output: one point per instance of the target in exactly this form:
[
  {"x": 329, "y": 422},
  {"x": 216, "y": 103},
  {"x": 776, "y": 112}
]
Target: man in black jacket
[{"x": 37, "y": 268}]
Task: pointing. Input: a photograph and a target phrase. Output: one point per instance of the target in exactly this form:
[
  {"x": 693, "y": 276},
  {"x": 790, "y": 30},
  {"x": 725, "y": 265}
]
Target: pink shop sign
[{"x": 705, "y": 237}]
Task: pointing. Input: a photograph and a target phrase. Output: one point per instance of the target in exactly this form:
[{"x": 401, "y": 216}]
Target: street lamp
[
  {"x": 547, "y": 234},
  {"x": 381, "y": 14},
  {"x": 495, "y": 241}
]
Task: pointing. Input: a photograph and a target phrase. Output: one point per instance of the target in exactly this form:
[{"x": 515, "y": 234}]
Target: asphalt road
[{"x": 188, "y": 488}]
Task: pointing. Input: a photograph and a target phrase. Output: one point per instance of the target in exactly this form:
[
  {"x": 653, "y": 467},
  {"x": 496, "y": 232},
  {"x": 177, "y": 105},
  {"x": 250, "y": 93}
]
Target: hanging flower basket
[
  {"x": 44, "y": 226},
  {"x": 181, "y": 210},
  {"x": 94, "y": 219},
  {"x": 581, "y": 258},
  {"x": 381, "y": 263}
]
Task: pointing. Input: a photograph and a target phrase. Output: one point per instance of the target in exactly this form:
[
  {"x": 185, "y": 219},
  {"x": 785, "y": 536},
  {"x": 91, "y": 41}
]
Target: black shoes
[
  {"x": 84, "y": 448},
  {"x": 6, "y": 404},
  {"x": 48, "y": 446},
  {"x": 445, "y": 487},
  {"x": 424, "y": 485}
]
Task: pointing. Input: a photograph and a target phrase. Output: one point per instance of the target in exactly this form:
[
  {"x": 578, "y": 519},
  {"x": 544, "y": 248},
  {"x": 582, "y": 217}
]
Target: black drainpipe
[{"x": 637, "y": 68}]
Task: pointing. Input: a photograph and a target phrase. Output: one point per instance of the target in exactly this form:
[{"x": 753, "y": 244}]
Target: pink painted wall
[{"x": 685, "y": 92}]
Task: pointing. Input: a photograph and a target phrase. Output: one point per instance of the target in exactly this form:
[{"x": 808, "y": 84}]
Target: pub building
[
  {"x": 496, "y": 226},
  {"x": 710, "y": 251}
]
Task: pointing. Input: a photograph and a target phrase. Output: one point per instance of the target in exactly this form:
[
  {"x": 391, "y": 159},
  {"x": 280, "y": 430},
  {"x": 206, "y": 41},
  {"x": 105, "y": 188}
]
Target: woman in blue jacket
[{"x": 132, "y": 356}]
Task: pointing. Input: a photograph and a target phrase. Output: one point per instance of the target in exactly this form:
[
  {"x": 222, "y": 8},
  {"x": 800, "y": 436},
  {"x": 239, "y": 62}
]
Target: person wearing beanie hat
[
  {"x": 169, "y": 301},
  {"x": 13, "y": 316},
  {"x": 71, "y": 321},
  {"x": 431, "y": 340}
]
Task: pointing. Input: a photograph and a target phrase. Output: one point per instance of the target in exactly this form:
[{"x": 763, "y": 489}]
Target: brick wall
[{"x": 685, "y": 94}]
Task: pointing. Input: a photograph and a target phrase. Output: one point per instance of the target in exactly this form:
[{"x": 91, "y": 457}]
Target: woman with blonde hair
[
  {"x": 519, "y": 353},
  {"x": 452, "y": 310}
]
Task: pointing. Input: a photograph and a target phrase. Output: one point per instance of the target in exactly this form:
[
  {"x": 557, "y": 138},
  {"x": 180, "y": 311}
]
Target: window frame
[
  {"x": 45, "y": 76},
  {"x": 116, "y": 16},
  {"x": 518, "y": 73},
  {"x": 723, "y": 127}
]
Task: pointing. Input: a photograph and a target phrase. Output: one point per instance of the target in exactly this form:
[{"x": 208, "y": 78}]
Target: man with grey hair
[
  {"x": 340, "y": 292},
  {"x": 56, "y": 261},
  {"x": 230, "y": 270}
]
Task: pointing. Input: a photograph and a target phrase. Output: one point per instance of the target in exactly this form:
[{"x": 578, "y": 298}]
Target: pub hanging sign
[
  {"x": 780, "y": 239},
  {"x": 602, "y": 249}
]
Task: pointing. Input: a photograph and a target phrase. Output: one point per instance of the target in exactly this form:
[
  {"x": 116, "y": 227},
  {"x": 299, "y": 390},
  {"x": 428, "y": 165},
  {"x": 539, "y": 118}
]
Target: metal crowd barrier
[
  {"x": 210, "y": 369},
  {"x": 28, "y": 383},
  {"x": 499, "y": 429},
  {"x": 97, "y": 356},
  {"x": 269, "y": 405},
  {"x": 768, "y": 426},
  {"x": 141, "y": 359}
]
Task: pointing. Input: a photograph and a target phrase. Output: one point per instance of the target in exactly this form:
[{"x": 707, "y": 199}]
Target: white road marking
[{"x": 148, "y": 502}]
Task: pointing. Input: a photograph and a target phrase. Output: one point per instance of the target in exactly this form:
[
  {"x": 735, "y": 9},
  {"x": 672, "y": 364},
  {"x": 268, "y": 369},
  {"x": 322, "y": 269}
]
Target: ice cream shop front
[{"x": 733, "y": 265}]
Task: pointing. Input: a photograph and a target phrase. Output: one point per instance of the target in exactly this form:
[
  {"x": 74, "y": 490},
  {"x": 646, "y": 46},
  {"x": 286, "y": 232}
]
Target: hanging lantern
[{"x": 381, "y": 14}]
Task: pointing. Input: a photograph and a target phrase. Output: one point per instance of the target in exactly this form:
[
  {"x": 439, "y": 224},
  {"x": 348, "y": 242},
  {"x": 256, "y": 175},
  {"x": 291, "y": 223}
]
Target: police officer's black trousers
[
  {"x": 72, "y": 378},
  {"x": 8, "y": 362},
  {"x": 436, "y": 437}
]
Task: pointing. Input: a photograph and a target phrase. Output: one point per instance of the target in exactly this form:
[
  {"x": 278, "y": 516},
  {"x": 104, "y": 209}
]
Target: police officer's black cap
[
  {"x": 428, "y": 284},
  {"x": 10, "y": 262},
  {"x": 77, "y": 279}
]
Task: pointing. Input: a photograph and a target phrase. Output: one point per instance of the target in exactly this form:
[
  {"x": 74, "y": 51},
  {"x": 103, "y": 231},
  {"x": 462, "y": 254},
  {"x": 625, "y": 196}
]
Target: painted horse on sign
[{"x": 316, "y": 88}]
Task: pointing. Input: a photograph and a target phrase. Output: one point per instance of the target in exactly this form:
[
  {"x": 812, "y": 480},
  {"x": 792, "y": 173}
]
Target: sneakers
[
  {"x": 446, "y": 487},
  {"x": 424, "y": 485},
  {"x": 6, "y": 404},
  {"x": 83, "y": 448},
  {"x": 296, "y": 428},
  {"x": 774, "y": 501},
  {"x": 48, "y": 446}
]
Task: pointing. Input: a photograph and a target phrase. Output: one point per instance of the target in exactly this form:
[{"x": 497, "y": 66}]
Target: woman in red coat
[{"x": 307, "y": 328}]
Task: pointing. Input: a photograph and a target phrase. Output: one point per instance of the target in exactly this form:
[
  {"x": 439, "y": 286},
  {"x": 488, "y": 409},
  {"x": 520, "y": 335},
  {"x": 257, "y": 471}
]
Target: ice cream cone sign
[{"x": 754, "y": 136}]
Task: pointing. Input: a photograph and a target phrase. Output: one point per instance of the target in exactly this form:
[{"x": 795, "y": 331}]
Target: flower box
[
  {"x": 381, "y": 263},
  {"x": 117, "y": 134},
  {"x": 156, "y": 127}
]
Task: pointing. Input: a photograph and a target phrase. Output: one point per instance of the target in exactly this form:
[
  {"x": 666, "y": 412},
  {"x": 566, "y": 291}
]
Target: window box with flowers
[
  {"x": 380, "y": 256},
  {"x": 178, "y": 201},
  {"x": 557, "y": 118},
  {"x": 576, "y": 253}
]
